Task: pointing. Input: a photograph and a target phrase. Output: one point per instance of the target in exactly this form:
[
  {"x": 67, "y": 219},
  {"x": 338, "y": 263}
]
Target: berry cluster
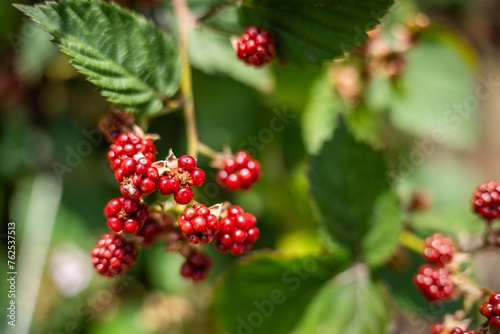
[
  {"x": 198, "y": 224},
  {"x": 486, "y": 200},
  {"x": 439, "y": 249},
  {"x": 126, "y": 214},
  {"x": 434, "y": 282},
  {"x": 134, "y": 223},
  {"x": 491, "y": 309},
  {"x": 180, "y": 177},
  {"x": 196, "y": 266},
  {"x": 130, "y": 145},
  {"x": 256, "y": 47},
  {"x": 113, "y": 255},
  {"x": 439, "y": 328},
  {"x": 237, "y": 231},
  {"x": 239, "y": 171}
]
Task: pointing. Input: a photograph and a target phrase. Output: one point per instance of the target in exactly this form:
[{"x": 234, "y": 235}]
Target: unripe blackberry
[
  {"x": 256, "y": 47},
  {"x": 129, "y": 145},
  {"x": 126, "y": 214},
  {"x": 179, "y": 180},
  {"x": 439, "y": 249},
  {"x": 434, "y": 282},
  {"x": 196, "y": 266},
  {"x": 136, "y": 177},
  {"x": 491, "y": 309},
  {"x": 239, "y": 171},
  {"x": 113, "y": 256},
  {"x": 486, "y": 200},
  {"x": 237, "y": 231},
  {"x": 198, "y": 224}
]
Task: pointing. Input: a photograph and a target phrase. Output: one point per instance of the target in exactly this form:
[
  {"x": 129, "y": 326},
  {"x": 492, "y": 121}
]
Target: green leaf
[
  {"x": 267, "y": 293},
  {"x": 310, "y": 31},
  {"x": 436, "y": 98},
  {"x": 131, "y": 61},
  {"x": 320, "y": 115},
  {"x": 213, "y": 54},
  {"x": 349, "y": 304},
  {"x": 382, "y": 238},
  {"x": 349, "y": 187}
]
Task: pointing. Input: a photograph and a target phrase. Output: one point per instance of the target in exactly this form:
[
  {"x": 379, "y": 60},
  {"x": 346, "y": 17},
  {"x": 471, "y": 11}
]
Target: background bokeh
[{"x": 55, "y": 180}]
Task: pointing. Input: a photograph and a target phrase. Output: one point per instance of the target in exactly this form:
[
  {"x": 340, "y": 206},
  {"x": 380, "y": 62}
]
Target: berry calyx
[
  {"x": 439, "y": 249},
  {"x": 178, "y": 180},
  {"x": 196, "y": 266},
  {"x": 237, "y": 231},
  {"x": 256, "y": 47},
  {"x": 126, "y": 214},
  {"x": 198, "y": 224},
  {"x": 130, "y": 145},
  {"x": 239, "y": 171},
  {"x": 113, "y": 256},
  {"x": 434, "y": 282},
  {"x": 491, "y": 309},
  {"x": 486, "y": 200}
]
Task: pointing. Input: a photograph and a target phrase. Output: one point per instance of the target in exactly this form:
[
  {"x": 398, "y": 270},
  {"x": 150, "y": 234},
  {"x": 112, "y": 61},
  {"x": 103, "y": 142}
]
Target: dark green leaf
[
  {"x": 349, "y": 187},
  {"x": 349, "y": 304},
  {"x": 310, "y": 31},
  {"x": 268, "y": 292},
  {"x": 130, "y": 60}
]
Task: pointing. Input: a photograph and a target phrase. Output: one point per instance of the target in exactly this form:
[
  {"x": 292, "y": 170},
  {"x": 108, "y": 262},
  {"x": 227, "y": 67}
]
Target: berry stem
[
  {"x": 214, "y": 10},
  {"x": 207, "y": 151},
  {"x": 411, "y": 241},
  {"x": 186, "y": 22}
]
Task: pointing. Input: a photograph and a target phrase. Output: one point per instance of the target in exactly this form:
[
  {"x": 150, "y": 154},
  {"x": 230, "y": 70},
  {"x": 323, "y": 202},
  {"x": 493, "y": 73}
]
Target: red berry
[
  {"x": 256, "y": 47},
  {"x": 196, "y": 266},
  {"x": 486, "y": 200},
  {"x": 237, "y": 231},
  {"x": 129, "y": 145},
  {"x": 179, "y": 180},
  {"x": 125, "y": 214},
  {"x": 458, "y": 330},
  {"x": 239, "y": 171},
  {"x": 184, "y": 195},
  {"x": 439, "y": 249},
  {"x": 198, "y": 224},
  {"x": 437, "y": 328},
  {"x": 491, "y": 309},
  {"x": 434, "y": 282},
  {"x": 113, "y": 256}
]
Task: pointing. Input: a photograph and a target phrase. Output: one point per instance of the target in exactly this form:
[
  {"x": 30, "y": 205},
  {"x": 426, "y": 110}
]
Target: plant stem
[
  {"x": 207, "y": 151},
  {"x": 411, "y": 241},
  {"x": 186, "y": 22}
]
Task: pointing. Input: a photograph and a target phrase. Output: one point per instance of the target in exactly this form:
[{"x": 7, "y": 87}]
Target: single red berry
[
  {"x": 439, "y": 248},
  {"x": 486, "y": 200},
  {"x": 256, "y": 47},
  {"x": 113, "y": 256},
  {"x": 239, "y": 171},
  {"x": 434, "y": 282},
  {"x": 237, "y": 231},
  {"x": 184, "y": 195},
  {"x": 198, "y": 224},
  {"x": 196, "y": 266}
]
